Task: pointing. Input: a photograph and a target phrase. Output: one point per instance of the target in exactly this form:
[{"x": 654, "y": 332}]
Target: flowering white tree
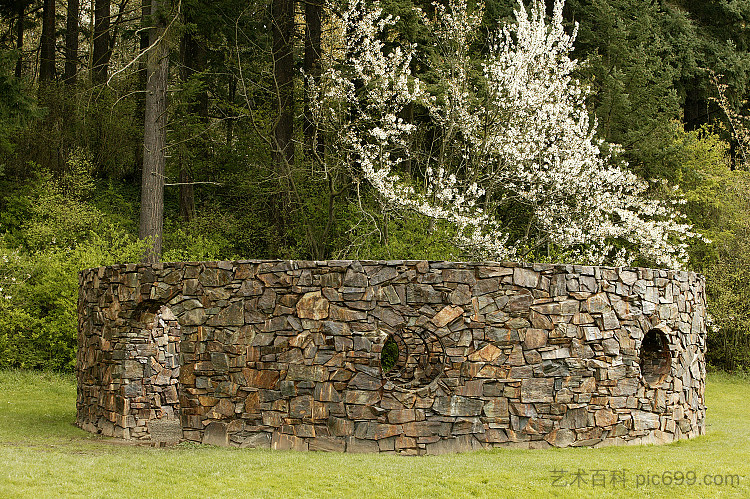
[
  {"x": 529, "y": 142},
  {"x": 357, "y": 99},
  {"x": 514, "y": 144}
]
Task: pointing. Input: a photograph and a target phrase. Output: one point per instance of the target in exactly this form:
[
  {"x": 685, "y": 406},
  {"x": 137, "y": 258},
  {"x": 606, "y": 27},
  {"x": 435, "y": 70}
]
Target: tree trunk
[
  {"x": 193, "y": 58},
  {"x": 101, "y": 41},
  {"x": 19, "y": 37},
  {"x": 154, "y": 138},
  {"x": 47, "y": 52},
  {"x": 140, "y": 102},
  {"x": 311, "y": 66},
  {"x": 283, "y": 64},
  {"x": 282, "y": 150},
  {"x": 230, "y": 121},
  {"x": 71, "y": 43},
  {"x": 695, "y": 108}
]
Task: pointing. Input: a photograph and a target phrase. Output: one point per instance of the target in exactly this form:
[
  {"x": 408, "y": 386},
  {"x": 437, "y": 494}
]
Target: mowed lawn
[{"x": 43, "y": 455}]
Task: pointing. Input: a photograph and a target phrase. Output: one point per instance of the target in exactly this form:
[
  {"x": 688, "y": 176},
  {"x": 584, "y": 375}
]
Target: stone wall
[{"x": 287, "y": 354}]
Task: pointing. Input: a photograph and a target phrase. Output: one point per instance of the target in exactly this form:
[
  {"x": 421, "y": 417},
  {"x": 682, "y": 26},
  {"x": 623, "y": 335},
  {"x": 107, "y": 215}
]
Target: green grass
[{"x": 44, "y": 455}]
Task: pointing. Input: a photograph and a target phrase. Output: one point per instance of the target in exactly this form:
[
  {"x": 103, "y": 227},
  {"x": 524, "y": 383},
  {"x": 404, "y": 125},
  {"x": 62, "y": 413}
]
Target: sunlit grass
[{"x": 44, "y": 455}]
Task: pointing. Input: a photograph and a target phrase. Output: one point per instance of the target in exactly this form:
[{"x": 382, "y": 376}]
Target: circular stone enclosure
[{"x": 409, "y": 357}]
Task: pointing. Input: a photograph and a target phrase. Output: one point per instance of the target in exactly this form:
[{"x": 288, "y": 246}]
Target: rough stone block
[
  {"x": 216, "y": 434},
  {"x": 537, "y": 390}
]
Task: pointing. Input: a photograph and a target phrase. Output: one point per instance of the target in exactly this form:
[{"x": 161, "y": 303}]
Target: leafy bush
[
  {"x": 718, "y": 205},
  {"x": 39, "y": 263}
]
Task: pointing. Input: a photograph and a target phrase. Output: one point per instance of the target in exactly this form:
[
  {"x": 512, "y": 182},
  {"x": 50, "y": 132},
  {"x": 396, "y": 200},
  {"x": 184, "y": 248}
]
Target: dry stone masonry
[{"x": 287, "y": 355}]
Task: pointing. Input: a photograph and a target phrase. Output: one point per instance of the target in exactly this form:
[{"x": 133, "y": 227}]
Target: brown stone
[
  {"x": 325, "y": 392},
  {"x": 535, "y": 338},
  {"x": 301, "y": 407},
  {"x": 492, "y": 372},
  {"x": 375, "y": 431},
  {"x": 344, "y": 314},
  {"x": 561, "y": 437},
  {"x": 525, "y": 277},
  {"x": 404, "y": 442},
  {"x": 389, "y": 316},
  {"x": 421, "y": 428},
  {"x": 460, "y": 276},
  {"x": 362, "y": 381},
  {"x": 327, "y": 444},
  {"x": 447, "y": 315},
  {"x": 216, "y": 434},
  {"x": 598, "y": 303},
  {"x": 484, "y": 286},
  {"x": 232, "y": 315},
  {"x": 281, "y": 441},
  {"x": 519, "y": 304},
  {"x": 463, "y": 443},
  {"x": 385, "y": 274},
  {"x": 496, "y": 408},
  {"x": 252, "y": 403},
  {"x": 402, "y": 416},
  {"x": 461, "y": 295},
  {"x": 605, "y": 417},
  {"x": 540, "y": 321},
  {"x": 423, "y": 293},
  {"x": 261, "y": 379},
  {"x": 340, "y": 427},
  {"x": 457, "y": 406},
  {"x": 575, "y": 418},
  {"x": 488, "y": 353},
  {"x": 537, "y": 390},
  {"x": 312, "y": 305},
  {"x": 471, "y": 388},
  {"x": 360, "y": 446},
  {"x": 643, "y": 421},
  {"x": 307, "y": 373},
  {"x": 361, "y": 397},
  {"x": 549, "y": 357},
  {"x": 355, "y": 279}
]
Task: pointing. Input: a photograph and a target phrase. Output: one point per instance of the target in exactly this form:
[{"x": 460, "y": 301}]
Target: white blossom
[{"x": 517, "y": 139}]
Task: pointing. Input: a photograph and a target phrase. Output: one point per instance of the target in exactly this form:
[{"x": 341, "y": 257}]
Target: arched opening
[
  {"x": 158, "y": 352},
  {"x": 655, "y": 357}
]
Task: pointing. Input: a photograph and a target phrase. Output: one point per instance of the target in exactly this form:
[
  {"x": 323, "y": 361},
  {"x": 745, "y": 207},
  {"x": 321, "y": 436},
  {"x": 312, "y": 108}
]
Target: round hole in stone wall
[
  {"x": 417, "y": 358},
  {"x": 389, "y": 355},
  {"x": 655, "y": 357}
]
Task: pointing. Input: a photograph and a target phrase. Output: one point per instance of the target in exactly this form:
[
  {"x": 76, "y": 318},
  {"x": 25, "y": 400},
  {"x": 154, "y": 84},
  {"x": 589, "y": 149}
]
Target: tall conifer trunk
[
  {"x": 154, "y": 136},
  {"x": 193, "y": 56},
  {"x": 101, "y": 41},
  {"x": 47, "y": 51},
  {"x": 282, "y": 150},
  {"x": 313, "y": 15},
  {"x": 21, "y": 12},
  {"x": 71, "y": 42}
]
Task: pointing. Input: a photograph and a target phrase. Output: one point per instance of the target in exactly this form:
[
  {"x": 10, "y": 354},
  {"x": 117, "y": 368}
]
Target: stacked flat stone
[{"x": 287, "y": 354}]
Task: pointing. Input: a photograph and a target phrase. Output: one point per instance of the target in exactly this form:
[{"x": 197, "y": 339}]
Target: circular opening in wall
[
  {"x": 412, "y": 358},
  {"x": 655, "y": 357},
  {"x": 389, "y": 355}
]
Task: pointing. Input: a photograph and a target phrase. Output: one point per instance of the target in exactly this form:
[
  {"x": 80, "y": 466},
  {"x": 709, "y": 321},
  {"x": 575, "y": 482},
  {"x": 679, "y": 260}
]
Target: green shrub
[{"x": 63, "y": 232}]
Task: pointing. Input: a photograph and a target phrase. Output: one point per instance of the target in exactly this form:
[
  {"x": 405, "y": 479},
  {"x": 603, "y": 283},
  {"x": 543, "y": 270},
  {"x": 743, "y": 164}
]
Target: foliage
[
  {"x": 389, "y": 355},
  {"x": 62, "y": 233},
  {"x": 717, "y": 202},
  {"x": 17, "y": 108}
]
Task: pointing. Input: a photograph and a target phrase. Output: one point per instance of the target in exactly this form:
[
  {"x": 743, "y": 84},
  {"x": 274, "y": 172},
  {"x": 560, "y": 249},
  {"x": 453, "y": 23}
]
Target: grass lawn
[{"x": 44, "y": 455}]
